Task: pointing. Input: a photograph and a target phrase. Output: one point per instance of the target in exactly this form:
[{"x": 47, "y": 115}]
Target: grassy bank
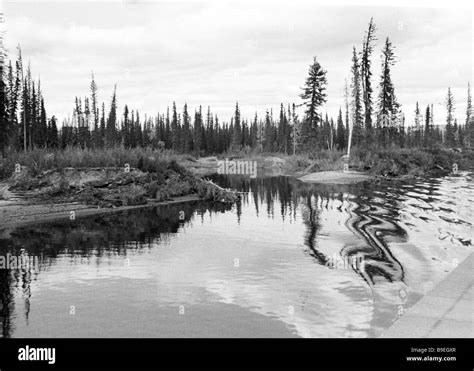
[
  {"x": 392, "y": 163},
  {"x": 40, "y": 160},
  {"x": 397, "y": 162},
  {"x": 411, "y": 162},
  {"x": 107, "y": 178}
]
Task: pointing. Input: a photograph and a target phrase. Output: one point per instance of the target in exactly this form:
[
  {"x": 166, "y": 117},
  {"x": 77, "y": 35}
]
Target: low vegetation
[{"x": 107, "y": 178}]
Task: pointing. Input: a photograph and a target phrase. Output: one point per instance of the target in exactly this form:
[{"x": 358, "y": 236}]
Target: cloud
[{"x": 215, "y": 53}]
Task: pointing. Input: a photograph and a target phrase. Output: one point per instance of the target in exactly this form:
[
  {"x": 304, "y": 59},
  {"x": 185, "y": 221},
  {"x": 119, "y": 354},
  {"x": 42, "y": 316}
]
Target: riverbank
[
  {"x": 19, "y": 212},
  {"x": 389, "y": 163},
  {"x": 362, "y": 164},
  {"x": 117, "y": 178},
  {"x": 444, "y": 312},
  {"x": 73, "y": 193},
  {"x": 49, "y": 187}
]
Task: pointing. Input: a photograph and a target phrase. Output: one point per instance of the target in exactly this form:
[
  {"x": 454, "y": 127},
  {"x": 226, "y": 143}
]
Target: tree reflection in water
[
  {"x": 86, "y": 240},
  {"x": 361, "y": 221},
  {"x": 367, "y": 217}
]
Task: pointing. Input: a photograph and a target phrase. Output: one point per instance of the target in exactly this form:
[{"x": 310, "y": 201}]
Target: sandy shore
[{"x": 336, "y": 177}]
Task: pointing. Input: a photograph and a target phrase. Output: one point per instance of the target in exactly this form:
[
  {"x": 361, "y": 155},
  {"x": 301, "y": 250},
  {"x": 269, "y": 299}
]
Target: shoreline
[
  {"x": 336, "y": 177},
  {"x": 444, "y": 312},
  {"x": 16, "y": 214},
  {"x": 20, "y": 209},
  {"x": 401, "y": 164}
]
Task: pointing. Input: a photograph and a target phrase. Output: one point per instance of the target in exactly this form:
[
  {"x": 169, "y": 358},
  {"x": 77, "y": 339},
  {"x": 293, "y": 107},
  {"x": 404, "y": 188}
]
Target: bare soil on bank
[
  {"x": 76, "y": 192},
  {"x": 336, "y": 177}
]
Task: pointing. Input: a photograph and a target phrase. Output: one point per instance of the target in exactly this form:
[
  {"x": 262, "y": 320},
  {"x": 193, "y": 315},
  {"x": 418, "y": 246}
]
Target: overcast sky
[{"x": 218, "y": 52}]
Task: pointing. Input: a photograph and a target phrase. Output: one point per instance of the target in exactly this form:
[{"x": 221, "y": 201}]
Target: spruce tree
[
  {"x": 209, "y": 142},
  {"x": 366, "y": 73},
  {"x": 356, "y": 104},
  {"x": 3, "y": 98},
  {"x": 314, "y": 91},
  {"x": 387, "y": 103},
  {"x": 102, "y": 127},
  {"x": 313, "y": 96},
  {"x": 186, "y": 136},
  {"x": 138, "y": 131},
  {"x": 449, "y": 131},
  {"x": 12, "y": 90},
  {"x": 269, "y": 133},
  {"x": 95, "y": 113},
  {"x": 168, "y": 133},
  {"x": 428, "y": 127},
  {"x": 126, "y": 128},
  {"x": 469, "y": 137},
  {"x": 283, "y": 131},
  {"x": 111, "y": 128},
  {"x": 237, "y": 129},
  {"x": 53, "y": 133},
  {"x": 198, "y": 135},
  {"x": 175, "y": 130},
  {"x": 295, "y": 129},
  {"x": 43, "y": 123},
  {"x": 340, "y": 135},
  {"x": 417, "y": 125}
]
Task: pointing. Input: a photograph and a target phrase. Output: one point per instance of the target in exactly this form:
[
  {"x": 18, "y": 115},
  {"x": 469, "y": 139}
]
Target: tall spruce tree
[
  {"x": 283, "y": 131},
  {"x": 417, "y": 129},
  {"x": 449, "y": 132},
  {"x": 469, "y": 137},
  {"x": 314, "y": 92},
  {"x": 237, "y": 129},
  {"x": 387, "y": 103},
  {"x": 13, "y": 86},
  {"x": 366, "y": 73},
  {"x": 346, "y": 106},
  {"x": 175, "y": 130},
  {"x": 111, "y": 128},
  {"x": 428, "y": 129},
  {"x": 3, "y": 97},
  {"x": 340, "y": 135},
  {"x": 295, "y": 129},
  {"x": 186, "y": 135},
  {"x": 102, "y": 127},
  {"x": 126, "y": 128},
  {"x": 95, "y": 113},
  {"x": 356, "y": 104}
]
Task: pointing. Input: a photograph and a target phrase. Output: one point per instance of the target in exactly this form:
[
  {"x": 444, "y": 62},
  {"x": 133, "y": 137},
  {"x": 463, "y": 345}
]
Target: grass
[
  {"x": 410, "y": 162},
  {"x": 39, "y": 160},
  {"x": 161, "y": 177},
  {"x": 391, "y": 162}
]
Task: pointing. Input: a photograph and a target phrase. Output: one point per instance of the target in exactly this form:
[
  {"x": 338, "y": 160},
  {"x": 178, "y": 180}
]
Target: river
[{"x": 289, "y": 260}]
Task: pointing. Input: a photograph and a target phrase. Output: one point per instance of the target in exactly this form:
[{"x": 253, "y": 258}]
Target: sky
[{"x": 218, "y": 52}]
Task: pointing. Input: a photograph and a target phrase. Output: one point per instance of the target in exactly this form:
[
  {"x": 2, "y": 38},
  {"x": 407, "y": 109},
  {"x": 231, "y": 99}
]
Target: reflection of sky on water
[{"x": 269, "y": 256}]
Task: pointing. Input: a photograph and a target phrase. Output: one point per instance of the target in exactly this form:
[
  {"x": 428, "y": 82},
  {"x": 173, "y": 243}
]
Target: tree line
[
  {"x": 366, "y": 121},
  {"x": 376, "y": 122}
]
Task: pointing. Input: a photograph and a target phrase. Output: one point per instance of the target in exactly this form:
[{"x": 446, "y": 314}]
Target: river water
[{"x": 290, "y": 260}]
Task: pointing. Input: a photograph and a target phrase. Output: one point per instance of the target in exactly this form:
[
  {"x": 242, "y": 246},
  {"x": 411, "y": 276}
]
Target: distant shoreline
[{"x": 94, "y": 190}]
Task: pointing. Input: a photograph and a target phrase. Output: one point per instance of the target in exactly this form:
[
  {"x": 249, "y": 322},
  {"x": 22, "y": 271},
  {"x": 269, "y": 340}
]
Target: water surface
[{"x": 291, "y": 259}]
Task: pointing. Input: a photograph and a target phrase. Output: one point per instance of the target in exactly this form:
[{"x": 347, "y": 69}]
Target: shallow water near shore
[{"x": 290, "y": 259}]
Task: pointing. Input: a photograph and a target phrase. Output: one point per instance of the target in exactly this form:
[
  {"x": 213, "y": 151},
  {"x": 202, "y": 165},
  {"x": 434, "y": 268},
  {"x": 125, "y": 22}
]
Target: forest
[{"x": 371, "y": 118}]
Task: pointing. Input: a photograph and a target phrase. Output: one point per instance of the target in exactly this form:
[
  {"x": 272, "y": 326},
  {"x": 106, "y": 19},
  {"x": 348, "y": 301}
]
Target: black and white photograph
[{"x": 236, "y": 170}]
